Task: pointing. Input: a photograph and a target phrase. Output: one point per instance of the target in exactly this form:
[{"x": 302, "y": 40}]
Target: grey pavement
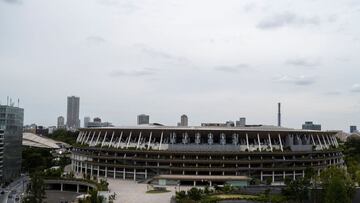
[{"x": 14, "y": 189}]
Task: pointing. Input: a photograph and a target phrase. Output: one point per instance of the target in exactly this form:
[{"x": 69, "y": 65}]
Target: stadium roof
[
  {"x": 33, "y": 140},
  {"x": 224, "y": 128}
]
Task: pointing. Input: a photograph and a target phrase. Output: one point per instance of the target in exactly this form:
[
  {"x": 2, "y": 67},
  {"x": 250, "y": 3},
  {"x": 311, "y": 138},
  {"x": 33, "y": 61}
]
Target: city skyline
[{"x": 211, "y": 66}]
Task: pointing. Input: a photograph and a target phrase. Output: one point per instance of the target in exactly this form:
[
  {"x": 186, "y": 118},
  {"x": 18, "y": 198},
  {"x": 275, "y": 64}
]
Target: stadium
[{"x": 203, "y": 155}]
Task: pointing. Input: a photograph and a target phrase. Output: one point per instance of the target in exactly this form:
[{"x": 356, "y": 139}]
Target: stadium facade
[{"x": 203, "y": 154}]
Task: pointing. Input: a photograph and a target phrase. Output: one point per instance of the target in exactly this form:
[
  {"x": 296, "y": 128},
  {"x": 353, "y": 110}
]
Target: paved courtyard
[{"x": 132, "y": 192}]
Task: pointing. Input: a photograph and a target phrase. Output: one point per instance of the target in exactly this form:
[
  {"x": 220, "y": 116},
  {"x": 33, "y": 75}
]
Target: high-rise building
[
  {"x": 60, "y": 122},
  {"x": 353, "y": 129},
  {"x": 309, "y": 125},
  {"x": 73, "y": 108},
  {"x": 86, "y": 121},
  {"x": 143, "y": 119},
  {"x": 11, "y": 127},
  {"x": 241, "y": 122},
  {"x": 184, "y": 120}
]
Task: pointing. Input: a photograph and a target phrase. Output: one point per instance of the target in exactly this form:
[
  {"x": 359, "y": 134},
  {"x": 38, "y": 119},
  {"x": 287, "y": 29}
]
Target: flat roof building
[
  {"x": 143, "y": 119},
  {"x": 353, "y": 129},
  {"x": 61, "y": 122},
  {"x": 309, "y": 125}
]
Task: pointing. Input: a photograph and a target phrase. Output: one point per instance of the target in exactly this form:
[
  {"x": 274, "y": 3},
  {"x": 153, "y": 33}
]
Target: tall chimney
[{"x": 279, "y": 114}]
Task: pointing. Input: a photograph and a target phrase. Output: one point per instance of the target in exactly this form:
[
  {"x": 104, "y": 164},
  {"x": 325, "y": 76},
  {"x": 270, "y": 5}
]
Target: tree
[
  {"x": 297, "y": 190},
  {"x": 36, "y": 191},
  {"x": 338, "y": 186},
  {"x": 195, "y": 194},
  {"x": 93, "y": 198}
]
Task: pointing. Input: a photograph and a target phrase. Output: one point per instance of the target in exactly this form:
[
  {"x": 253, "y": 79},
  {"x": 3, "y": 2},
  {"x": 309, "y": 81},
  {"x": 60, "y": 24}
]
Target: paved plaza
[{"x": 132, "y": 192}]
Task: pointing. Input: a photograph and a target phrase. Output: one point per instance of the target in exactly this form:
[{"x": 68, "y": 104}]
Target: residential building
[{"x": 98, "y": 124}]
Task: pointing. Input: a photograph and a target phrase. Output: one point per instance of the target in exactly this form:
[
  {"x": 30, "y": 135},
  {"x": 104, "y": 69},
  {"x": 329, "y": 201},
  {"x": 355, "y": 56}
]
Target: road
[{"x": 18, "y": 186}]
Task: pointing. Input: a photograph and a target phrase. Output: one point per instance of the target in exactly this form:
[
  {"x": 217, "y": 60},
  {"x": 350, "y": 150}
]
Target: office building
[
  {"x": 143, "y": 119},
  {"x": 73, "y": 108},
  {"x": 61, "y": 122},
  {"x": 309, "y": 125},
  {"x": 353, "y": 129},
  {"x": 183, "y": 120},
  {"x": 86, "y": 121},
  {"x": 241, "y": 122},
  {"x": 11, "y": 128}
]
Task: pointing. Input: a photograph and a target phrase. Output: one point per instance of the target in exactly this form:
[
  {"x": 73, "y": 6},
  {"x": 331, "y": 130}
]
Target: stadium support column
[
  {"x": 261, "y": 176},
  {"x": 271, "y": 148},
  {"x": 79, "y": 136},
  {"x": 149, "y": 141},
  {"x": 247, "y": 142},
  {"x": 328, "y": 140},
  {"x": 91, "y": 171},
  {"x": 97, "y": 139},
  {"x": 92, "y": 138},
  {"x": 114, "y": 172},
  {"x": 127, "y": 144},
  {"x": 273, "y": 176},
  {"x": 138, "y": 142},
  {"x": 326, "y": 146},
  {"x": 161, "y": 139},
  {"x": 119, "y": 142},
  {"x": 112, "y": 137},
  {"x": 134, "y": 174},
  {"x": 106, "y": 171},
  {"x": 337, "y": 144},
  {"x": 85, "y": 137},
  {"x": 312, "y": 138},
  {"x": 258, "y": 137},
  {"x": 281, "y": 146},
  {"x": 88, "y": 137},
  {"x": 294, "y": 175},
  {"x": 103, "y": 141},
  {"x": 331, "y": 140},
  {"x": 124, "y": 173},
  {"x": 98, "y": 172},
  {"x": 319, "y": 141},
  {"x": 145, "y": 173}
]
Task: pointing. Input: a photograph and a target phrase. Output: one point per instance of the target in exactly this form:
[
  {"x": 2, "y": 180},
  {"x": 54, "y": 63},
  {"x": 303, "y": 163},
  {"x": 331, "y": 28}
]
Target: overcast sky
[{"x": 212, "y": 60}]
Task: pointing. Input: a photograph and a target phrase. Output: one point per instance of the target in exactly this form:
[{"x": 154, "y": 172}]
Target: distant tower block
[{"x": 279, "y": 114}]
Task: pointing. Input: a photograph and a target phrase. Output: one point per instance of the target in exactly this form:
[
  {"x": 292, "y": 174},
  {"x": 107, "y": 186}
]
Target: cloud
[
  {"x": 160, "y": 54},
  {"x": 355, "y": 88},
  {"x": 95, "y": 39},
  {"x": 286, "y": 19},
  {"x": 305, "y": 62},
  {"x": 133, "y": 73},
  {"x": 232, "y": 69},
  {"x": 335, "y": 93},
  {"x": 296, "y": 80},
  {"x": 13, "y": 1}
]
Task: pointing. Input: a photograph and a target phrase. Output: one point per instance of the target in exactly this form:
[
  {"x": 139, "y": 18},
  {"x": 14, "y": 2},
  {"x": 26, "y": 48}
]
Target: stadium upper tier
[{"x": 261, "y": 138}]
